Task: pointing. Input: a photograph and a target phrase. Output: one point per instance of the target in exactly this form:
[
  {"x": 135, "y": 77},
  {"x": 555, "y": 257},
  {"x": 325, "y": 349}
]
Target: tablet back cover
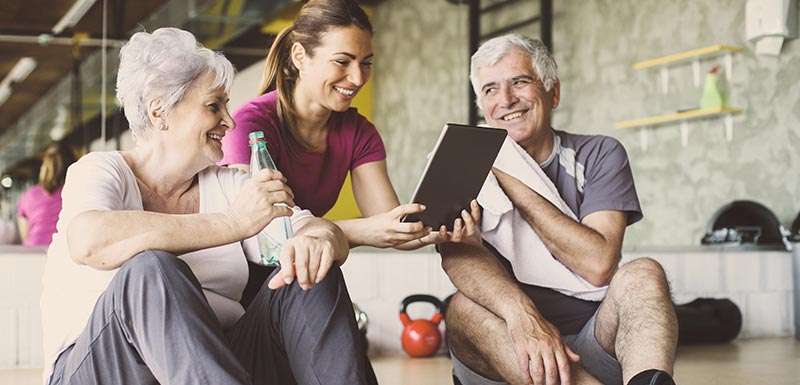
[{"x": 454, "y": 175}]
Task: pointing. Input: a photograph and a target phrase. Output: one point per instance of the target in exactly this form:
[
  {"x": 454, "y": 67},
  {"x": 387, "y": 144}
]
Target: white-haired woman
[{"x": 144, "y": 276}]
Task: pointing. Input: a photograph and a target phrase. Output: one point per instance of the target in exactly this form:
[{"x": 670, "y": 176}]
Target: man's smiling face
[{"x": 512, "y": 97}]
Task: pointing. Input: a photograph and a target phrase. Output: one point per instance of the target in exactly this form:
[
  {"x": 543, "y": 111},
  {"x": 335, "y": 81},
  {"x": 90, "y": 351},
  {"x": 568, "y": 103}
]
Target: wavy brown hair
[
  {"x": 57, "y": 157},
  {"x": 314, "y": 19}
]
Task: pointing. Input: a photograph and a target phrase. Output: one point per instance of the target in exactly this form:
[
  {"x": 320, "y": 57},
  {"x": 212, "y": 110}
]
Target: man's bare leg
[
  {"x": 479, "y": 339},
  {"x": 636, "y": 322}
]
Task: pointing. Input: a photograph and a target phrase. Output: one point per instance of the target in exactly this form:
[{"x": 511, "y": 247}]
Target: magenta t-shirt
[
  {"x": 316, "y": 178},
  {"x": 41, "y": 211}
]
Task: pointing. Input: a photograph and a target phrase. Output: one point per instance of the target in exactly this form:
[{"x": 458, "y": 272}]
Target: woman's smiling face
[
  {"x": 337, "y": 69},
  {"x": 200, "y": 120}
]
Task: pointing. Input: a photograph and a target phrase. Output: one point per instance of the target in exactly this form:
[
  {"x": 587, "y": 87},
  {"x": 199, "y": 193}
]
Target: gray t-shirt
[{"x": 592, "y": 173}]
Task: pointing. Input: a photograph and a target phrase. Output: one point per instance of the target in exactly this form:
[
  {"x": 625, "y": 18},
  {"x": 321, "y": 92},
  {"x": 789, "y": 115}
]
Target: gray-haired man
[{"x": 504, "y": 324}]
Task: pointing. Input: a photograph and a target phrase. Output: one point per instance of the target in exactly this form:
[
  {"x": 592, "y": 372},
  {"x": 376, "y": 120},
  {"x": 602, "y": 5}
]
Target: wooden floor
[{"x": 773, "y": 361}]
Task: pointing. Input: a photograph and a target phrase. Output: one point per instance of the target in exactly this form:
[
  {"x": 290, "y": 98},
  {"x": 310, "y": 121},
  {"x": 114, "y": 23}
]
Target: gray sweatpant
[{"x": 153, "y": 325}]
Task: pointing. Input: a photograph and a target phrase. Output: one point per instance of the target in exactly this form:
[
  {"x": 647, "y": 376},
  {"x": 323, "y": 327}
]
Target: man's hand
[
  {"x": 465, "y": 229},
  {"x": 541, "y": 353},
  {"x": 510, "y": 185},
  {"x": 590, "y": 248}
]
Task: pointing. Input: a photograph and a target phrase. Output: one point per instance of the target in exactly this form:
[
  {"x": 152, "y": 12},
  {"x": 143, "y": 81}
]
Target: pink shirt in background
[
  {"x": 41, "y": 211},
  {"x": 316, "y": 178}
]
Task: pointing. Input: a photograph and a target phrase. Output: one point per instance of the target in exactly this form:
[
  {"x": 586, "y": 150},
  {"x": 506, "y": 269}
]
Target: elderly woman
[{"x": 144, "y": 276}]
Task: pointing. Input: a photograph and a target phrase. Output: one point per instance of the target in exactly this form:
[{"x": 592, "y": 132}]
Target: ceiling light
[
  {"x": 73, "y": 16},
  {"x": 5, "y": 92},
  {"x": 18, "y": 73},
  {"x": 22, "y": 69}
]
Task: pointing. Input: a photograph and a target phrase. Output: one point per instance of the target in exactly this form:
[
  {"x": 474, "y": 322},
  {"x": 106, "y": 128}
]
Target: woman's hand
[
  {"x": 255, "y": 205},
  {"x": 307, "y": 258},
  {"x": 388, "y": 230},
  {"x": 310, "y": 253}
]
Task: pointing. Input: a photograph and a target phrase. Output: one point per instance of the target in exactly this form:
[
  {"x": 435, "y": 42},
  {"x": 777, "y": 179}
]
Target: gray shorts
[{"x": 594, "y": 359}]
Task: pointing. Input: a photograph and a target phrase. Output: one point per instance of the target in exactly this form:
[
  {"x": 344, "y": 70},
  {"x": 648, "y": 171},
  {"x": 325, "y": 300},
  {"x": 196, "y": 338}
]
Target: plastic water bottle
[{"x": 272, "y": 237}]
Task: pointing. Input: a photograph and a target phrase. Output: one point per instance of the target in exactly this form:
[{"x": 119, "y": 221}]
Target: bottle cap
[{"x": 257, "y": 136}]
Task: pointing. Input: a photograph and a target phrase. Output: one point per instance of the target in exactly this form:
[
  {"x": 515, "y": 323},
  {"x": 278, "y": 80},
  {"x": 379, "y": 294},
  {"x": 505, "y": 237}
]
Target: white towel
[{"x": 507, "y": 230}]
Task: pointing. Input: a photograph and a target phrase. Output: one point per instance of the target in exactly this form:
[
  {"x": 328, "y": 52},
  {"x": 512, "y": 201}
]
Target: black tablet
[{"x": 454, "y": 175}]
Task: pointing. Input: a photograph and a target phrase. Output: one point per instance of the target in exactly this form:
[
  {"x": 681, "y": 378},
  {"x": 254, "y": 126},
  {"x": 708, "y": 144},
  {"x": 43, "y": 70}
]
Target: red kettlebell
[{"x": 421, "y": 337}]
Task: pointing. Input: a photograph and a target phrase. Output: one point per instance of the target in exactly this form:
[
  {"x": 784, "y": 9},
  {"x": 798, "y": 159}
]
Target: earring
[{"x": 163, "y": 126}]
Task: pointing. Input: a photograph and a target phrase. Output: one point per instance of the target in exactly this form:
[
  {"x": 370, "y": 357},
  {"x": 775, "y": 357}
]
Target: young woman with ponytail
[
  {"x": 39, "y": 206},
  {"x": 313, "y": 71}
]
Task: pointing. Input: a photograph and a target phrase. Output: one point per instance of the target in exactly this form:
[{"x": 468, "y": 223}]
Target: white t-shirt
[{"x": 104, "y": 181}]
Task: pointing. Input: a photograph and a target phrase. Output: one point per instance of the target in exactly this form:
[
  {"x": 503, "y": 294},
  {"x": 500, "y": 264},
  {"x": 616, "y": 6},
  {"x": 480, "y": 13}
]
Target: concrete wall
[
  {"x": 421, "y": 67},
  {"x": 421, "y": 82}
]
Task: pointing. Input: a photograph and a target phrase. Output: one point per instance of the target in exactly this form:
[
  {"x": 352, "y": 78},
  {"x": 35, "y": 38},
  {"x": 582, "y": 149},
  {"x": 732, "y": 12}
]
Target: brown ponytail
[
  {"x": 281, "y": 74},
  {"x": 314, "y": 19},
  {"x": 57, "y": 157}
]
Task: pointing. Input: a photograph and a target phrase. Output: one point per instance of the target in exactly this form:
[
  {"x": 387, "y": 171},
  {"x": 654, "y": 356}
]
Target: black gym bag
[{"x": 708, "y": 321}]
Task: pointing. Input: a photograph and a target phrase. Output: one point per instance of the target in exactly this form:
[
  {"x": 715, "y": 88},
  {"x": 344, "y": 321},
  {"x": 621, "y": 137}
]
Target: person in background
[
  {"x": 313, "y": 71},
  {"x": 39, "y": 206},
  {"x": 541, "y": 296},
  {"x": 8, "y": 230},
  {"x": 143, "y": 280}
]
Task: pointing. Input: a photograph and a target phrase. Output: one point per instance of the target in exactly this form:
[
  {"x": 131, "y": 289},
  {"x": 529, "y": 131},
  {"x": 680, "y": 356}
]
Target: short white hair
[
  {"x": 162, "y": 65},
  {"x": 493, "y": 50}
]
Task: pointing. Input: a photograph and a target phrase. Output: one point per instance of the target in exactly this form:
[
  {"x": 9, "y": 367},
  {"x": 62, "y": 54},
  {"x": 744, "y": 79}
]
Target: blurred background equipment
[
  {"x": 745, "y": 222},
  {"x": 363, "y": 322}
]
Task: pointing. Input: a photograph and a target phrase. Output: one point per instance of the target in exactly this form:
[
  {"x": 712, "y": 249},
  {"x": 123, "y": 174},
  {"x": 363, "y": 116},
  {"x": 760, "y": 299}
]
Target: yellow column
[{"x": 345, "y": 207}]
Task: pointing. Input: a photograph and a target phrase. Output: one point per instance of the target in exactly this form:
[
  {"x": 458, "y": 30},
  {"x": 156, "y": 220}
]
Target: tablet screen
[{"x": 455, "y": 173}]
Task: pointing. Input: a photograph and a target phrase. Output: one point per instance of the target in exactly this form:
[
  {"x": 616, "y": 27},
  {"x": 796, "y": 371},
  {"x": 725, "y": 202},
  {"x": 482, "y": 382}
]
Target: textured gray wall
[{"x": 421, "y": 82}]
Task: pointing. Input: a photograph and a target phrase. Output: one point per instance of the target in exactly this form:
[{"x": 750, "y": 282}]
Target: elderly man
[{"x": 567, "y": 314}]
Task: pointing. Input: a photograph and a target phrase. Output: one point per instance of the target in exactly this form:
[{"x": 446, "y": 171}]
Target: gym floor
[{"x": 774, "y": 361}]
